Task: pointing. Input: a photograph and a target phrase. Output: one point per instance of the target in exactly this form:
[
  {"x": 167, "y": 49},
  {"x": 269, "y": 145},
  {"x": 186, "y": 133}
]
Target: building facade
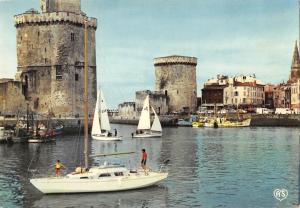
[
  {"x": 295, "y": 96},
  {"x": 50, "y": 57},
  {"x": 213, "y": 91},
  {"x": 176, "y": 77},
  {"x": 244, "y": 91}
]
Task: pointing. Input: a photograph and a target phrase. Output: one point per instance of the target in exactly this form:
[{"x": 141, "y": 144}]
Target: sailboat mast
[{"x": 86, "y": 109}]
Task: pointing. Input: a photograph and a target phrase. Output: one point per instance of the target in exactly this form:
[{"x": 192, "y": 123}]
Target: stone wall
[
  {"x": 158, "y": 100},
  {"x": 176, "y": 76},
  {"x": 50, "y": 55},
  {"x": 11, "y": 99}
]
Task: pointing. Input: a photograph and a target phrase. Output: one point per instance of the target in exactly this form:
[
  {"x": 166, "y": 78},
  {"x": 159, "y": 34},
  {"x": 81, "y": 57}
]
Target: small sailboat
[
  {"x": 101, "y": 126},
  {"x": 103, "y": 178},
  {"x": 144, "y": 129}
]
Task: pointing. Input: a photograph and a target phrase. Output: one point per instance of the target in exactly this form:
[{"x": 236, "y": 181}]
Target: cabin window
[
  {"x": 84, "y": 177},
  {"x": 119, "y": 174},
  {"x": 58, "y": 72},
  {"x": 104, "y": 175}
]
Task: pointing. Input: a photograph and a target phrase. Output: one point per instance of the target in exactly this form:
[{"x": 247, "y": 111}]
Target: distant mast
[{"x": 86, "y": 96}]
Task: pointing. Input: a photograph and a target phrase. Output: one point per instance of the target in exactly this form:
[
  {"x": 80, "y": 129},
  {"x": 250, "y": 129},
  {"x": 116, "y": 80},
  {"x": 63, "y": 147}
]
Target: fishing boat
[
  {"x": 144, "y": 129},
  {"x": 101, "y": 126},
  {"x": 224, "y": 123},
  {"x": 105, "y": 178}
]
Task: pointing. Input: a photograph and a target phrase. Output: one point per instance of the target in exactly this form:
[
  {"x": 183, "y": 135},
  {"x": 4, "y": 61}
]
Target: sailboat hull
[
  {"x": 69, "y": 185},
  {"x": 106, "y": 138},
  {"x": 148, "y": 135}
]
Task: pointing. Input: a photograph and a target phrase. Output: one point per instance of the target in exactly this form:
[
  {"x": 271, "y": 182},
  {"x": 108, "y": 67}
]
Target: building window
[
  {"x": 72, "y": 37},
  {"x": 58, "y": 72},
  {"x": 38, "y": 33},
  {"x": 49, "y": 40},
  {"x": 45, "y": 50},
  {"x": 236, "y": 93},
  {"x": 45, "y": 60},
  {"x": 76, "y": 77}
]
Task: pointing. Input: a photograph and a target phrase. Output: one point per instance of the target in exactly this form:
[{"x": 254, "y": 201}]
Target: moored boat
[
  {"x": 101, "y": 126},
  {"x": 105, "y": 178},
  {"x": 145, "y": 129}
]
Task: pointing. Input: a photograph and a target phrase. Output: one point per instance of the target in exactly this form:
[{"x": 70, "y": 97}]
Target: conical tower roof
[
  {"x": 296, "y": 58},
  {"x": 295, "y": 68}
]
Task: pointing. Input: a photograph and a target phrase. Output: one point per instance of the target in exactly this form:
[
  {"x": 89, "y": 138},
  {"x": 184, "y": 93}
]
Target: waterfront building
[
  {"x": 244, "y": 92},
  {"x": 127, "y": 110},
  {"x": 295, "y": 96},
  {"x": 269, "y": 96},
  {"x": 176, "y": 77},
  {"x": 213, "y": 91},
  {"x": 282, "y": 95},
  {"x": 50, "y": 58}
]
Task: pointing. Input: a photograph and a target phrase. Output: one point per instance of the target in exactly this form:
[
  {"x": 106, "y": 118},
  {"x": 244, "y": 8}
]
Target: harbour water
[{"x": 208, "y": 168}]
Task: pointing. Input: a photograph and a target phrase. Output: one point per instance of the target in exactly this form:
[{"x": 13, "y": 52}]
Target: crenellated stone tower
[
  {"x": 50, "y": 57},
  {"x": 295, "y": 68},
  {"x": 176, "y": 76}
]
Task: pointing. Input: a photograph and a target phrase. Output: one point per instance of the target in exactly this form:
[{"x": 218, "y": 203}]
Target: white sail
[
  {"x": 96, "y": 129},
  {"x": 103, "y": 114},
  {"x": 156, "y": 126},
  {"x": 144, "y": 122}
]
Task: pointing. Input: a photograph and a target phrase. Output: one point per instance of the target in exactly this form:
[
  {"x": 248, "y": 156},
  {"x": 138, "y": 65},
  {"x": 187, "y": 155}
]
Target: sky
[{"x": 230, "y": 37}]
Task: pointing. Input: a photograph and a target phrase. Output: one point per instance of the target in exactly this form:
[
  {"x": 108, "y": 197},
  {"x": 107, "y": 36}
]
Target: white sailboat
[
  {"x": 103, "y": 178},
  {"x": 144, "y": 129},
  {"x": 101, "y": 126}
]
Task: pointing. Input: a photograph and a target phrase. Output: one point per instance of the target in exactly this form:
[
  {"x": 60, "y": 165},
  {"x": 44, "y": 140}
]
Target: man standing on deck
[{"x": 144, "y": 159}]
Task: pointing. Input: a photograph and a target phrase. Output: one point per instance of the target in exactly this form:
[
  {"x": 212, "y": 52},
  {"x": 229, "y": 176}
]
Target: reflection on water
[{"x": 208, "y": 168}]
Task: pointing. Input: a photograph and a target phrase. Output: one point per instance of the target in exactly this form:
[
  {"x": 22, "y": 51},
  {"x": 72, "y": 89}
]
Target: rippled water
[{"x": 208, "y": 168}]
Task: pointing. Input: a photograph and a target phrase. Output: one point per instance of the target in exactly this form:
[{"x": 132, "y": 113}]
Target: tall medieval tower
[
  {"x": 50, "y": 57},
  {"x": 295, "y": 68},
  {"x": 176, "y": 76}
]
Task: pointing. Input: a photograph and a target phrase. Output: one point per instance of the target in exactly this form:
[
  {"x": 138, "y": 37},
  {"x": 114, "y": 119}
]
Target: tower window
[
  {"x": 45, "y": 60},
  {"x": 72, "y": 37},
  {"x": 58, "y": 72},
  {"x": 76, "y": 77}
]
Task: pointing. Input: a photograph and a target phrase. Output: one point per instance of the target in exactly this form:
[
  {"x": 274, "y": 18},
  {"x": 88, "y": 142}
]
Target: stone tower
[
  {"x": 176, "y": 76},
  {"x": 50, "y": 57},
  {"x": 295, "y": 68}
]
